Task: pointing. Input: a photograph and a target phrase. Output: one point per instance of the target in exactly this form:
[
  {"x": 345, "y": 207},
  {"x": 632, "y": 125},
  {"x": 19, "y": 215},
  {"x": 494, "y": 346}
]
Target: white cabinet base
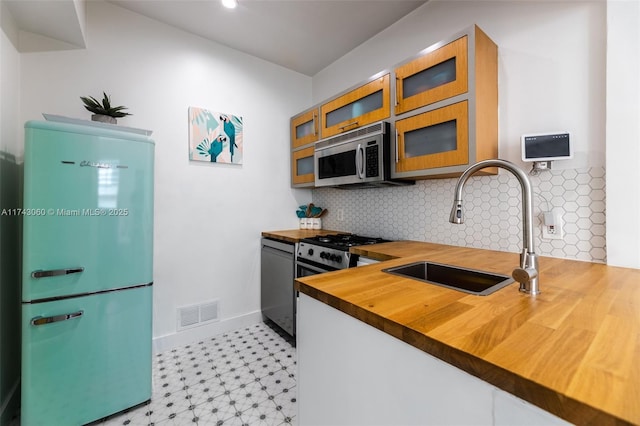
[{"x": 350, "y": 373}]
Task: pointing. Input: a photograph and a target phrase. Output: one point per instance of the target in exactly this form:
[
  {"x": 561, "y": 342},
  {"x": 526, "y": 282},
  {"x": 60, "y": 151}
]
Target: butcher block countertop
[
  {"x": 573, "y": 350},
  {"x": 295, "y": 235}
]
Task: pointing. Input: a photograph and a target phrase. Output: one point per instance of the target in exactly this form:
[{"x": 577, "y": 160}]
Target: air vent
[
  {"x": 195, "y": 315},
  {"x": 189, "y": 316},
  {"x": 354, "y": 134},
  {"x": 209, "y": 312}
]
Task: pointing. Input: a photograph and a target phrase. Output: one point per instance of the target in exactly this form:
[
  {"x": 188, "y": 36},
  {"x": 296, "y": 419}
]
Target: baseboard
[
  {"x": 196, "y": 334},
  {"x": 10, "y": 406}
]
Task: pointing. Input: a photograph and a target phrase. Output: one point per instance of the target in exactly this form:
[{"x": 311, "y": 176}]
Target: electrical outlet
[
  {"x": 552, "y": 225},
  {"x": 340, "y": 214}
]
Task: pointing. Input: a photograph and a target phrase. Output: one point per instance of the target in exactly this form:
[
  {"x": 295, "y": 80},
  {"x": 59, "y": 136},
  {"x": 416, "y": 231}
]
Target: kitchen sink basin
[{"x": 454, "y": 277}]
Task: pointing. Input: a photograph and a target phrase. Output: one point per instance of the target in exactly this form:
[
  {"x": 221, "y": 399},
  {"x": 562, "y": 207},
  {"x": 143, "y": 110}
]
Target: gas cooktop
[{"x": 343, "y": 241}]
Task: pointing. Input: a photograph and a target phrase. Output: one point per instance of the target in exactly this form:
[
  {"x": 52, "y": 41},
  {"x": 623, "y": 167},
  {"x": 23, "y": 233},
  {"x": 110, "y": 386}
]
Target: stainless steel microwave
[{"x": 356, "y": 159}]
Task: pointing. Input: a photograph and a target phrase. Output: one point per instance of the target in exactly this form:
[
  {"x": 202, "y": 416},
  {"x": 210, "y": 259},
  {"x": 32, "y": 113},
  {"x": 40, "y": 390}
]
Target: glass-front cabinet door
[
  {"x": 432, "y": 77},
  {"x": 304, "y": 128},
  {"x": 437, "y": 138},
  {"x": 302, "y": 167},
  {"x": 364, "y": 105}
]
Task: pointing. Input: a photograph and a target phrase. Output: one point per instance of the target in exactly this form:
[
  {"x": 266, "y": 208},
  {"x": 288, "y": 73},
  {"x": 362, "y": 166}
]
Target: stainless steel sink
[{"x": 454, "y": 277}]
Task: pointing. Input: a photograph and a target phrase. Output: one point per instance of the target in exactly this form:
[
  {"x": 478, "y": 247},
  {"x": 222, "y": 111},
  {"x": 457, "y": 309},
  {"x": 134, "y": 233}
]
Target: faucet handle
[{"x": 528, "y": 279}]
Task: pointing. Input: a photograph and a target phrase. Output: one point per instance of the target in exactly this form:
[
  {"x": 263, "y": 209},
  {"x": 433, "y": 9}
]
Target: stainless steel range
[{"x": 329, "y": 253}]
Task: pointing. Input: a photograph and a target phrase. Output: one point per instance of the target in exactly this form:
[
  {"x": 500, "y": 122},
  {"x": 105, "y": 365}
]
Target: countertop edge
[{"x": 295, "y": 235}]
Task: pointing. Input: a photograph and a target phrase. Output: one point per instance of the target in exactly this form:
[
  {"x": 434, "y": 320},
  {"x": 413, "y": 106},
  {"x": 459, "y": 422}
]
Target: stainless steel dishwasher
[{"x": 277, "y": 269}]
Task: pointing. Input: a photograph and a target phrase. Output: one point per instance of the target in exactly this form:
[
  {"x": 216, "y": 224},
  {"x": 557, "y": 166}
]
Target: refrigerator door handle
[
  {"x": 56, "y": 272},
  {"x": 56, "y": 318}
]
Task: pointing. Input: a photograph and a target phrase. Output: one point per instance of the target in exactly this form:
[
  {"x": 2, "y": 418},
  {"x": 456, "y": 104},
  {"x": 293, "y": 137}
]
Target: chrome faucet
[{"x": 527, "y": 273}]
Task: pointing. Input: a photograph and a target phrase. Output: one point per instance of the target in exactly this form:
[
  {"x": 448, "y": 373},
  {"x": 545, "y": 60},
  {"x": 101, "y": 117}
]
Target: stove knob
[
  {"x": 334, "y": 257},
  {"x": 324, "y": 255},
  {"x": 310, "y": 252},
  {"x": 339, "y": 259}
]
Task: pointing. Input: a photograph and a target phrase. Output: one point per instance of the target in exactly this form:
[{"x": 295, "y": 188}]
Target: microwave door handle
[{"x": 360, "y": 161}]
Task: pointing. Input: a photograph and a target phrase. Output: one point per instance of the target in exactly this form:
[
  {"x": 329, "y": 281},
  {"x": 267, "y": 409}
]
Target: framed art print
[{"x": 215, "y": 137}]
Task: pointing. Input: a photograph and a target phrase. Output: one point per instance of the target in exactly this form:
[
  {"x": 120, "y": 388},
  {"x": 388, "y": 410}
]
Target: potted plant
[{"x": 103, "y": 112}]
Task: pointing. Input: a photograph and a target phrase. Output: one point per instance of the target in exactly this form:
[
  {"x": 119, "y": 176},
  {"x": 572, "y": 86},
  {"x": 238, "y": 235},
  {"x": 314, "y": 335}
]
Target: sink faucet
[{"x": 527, "y": 273}]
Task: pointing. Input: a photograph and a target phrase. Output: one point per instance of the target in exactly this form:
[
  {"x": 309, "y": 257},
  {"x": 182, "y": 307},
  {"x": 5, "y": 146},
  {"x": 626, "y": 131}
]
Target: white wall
[
  {"x": 623, "y": 133},
  {"x": 10, "y": 137},
  {"x": 208, "y": 218}
]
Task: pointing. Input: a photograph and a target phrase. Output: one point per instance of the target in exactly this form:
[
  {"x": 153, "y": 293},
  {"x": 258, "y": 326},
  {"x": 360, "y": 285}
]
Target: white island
[{"x": 350, "y": 373}]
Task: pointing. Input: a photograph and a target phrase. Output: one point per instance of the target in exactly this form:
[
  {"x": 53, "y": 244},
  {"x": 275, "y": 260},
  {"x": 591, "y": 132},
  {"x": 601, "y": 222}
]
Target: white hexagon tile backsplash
[{"x": 493, "y": 212}]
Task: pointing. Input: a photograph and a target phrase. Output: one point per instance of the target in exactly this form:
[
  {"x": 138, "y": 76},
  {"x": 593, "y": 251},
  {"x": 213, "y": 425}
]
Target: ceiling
[{"x": 302, "y": 35}]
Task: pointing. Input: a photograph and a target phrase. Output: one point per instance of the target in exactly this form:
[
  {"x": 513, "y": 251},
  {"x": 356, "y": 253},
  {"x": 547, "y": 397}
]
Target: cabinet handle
[
  {"x": 315, "y": 124},
  {"x": 397, "y": 146},
  {"x": 56, "y": 272},
  {"x": 353, "y": 123},
  {"x": 56, "y": 318},
  {"x": 396, "y": 93}
]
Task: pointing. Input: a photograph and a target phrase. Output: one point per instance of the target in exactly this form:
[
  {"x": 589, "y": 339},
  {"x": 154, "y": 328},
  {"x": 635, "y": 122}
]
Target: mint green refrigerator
[{"x": 87, "y": 271}]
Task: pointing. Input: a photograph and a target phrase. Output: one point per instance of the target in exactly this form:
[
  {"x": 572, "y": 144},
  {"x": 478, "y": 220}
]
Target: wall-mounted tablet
[{"x": 547, "y": 146}]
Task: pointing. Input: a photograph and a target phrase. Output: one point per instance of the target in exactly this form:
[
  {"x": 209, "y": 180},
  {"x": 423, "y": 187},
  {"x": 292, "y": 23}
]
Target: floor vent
[{"x": 195, "y": 315}]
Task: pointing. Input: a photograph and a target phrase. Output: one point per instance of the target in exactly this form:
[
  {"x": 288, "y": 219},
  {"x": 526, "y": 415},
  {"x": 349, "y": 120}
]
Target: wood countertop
[
  {"x": 573, "y": 350},
  {"x": 295, "y": 235}
]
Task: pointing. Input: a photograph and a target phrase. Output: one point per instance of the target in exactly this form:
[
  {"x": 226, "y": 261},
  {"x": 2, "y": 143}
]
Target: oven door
[{"x": 304, "y": 269}]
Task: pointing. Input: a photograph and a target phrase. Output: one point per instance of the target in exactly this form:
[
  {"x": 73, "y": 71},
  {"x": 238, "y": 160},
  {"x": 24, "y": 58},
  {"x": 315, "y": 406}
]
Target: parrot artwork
[
  {"x": 230, "y": 131},
  {"x": 216, "y": 147}
]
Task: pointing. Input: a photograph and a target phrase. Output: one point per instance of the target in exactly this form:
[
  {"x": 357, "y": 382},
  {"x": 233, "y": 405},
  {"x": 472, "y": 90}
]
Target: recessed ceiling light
[{"x": 231, "y": 4}]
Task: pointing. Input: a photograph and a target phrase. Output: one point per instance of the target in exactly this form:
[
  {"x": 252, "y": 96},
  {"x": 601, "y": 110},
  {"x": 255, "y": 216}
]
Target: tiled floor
[{"x": 243, "y": 377}]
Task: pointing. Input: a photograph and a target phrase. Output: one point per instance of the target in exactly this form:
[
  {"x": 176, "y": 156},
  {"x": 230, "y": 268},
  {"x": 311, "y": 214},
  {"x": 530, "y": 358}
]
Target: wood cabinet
[
  {"x": 305, "y": 132},
  {"x": 361, "y": 106},
  {"x": 304, "y": 128},
  {"x": 447, "y": 119},
  {"x": 302, "y": 167},
  {"x": 436, "y": 75},
  {"x": 437, "y": 138}
]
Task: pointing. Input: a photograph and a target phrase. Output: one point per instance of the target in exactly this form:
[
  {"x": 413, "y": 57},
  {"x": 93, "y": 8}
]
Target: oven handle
[{"x": 360, "y": 161}]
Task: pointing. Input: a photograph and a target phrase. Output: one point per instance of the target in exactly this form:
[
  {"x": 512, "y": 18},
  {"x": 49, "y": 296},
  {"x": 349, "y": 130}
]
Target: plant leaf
[
  {"x": 104, "y": 108},
  {"x": 106, "y": 103}
]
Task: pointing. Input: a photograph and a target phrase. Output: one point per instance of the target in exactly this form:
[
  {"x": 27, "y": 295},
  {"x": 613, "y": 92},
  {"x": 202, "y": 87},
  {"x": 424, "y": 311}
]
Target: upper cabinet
[
  {"x": 361, "y": 106},
  {"x": 446, "y": 116},
  {"x": 438, "y": 74},
  {"x": 304, "y": 128},
  {"x": 302, "y": 167},
  {"x": 433, "y": 139},
  {"x": 305, "y": 132}
]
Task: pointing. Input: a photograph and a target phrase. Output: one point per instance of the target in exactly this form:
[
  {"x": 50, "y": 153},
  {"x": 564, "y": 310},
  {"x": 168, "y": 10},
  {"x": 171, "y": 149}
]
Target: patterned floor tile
[
  {"x": 263, "y": 415},
  {"x": 242, "y": 377}
]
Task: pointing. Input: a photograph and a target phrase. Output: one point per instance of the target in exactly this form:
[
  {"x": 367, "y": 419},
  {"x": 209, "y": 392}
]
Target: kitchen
[{"x": 177, "y": 69}]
